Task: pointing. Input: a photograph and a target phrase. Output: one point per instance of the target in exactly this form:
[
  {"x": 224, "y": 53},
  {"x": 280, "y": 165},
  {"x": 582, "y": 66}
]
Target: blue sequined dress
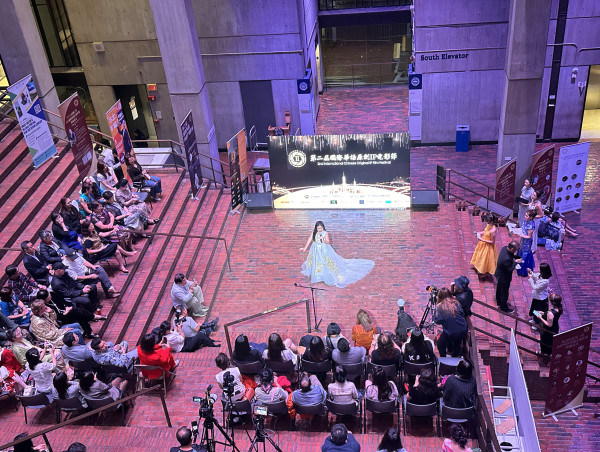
[{"x": 324, "y": 264}]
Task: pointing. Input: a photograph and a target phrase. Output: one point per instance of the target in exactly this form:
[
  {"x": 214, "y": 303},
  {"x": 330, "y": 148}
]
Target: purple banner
[
  {"x": 505, "y": 184},
  {"x": 541, "y": 172},
  {"x": 78, "y": 135},
  {"x": 191, "y": 152}
]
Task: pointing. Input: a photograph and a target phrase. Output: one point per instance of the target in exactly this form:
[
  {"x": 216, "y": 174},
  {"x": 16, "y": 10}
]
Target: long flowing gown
[
  {"x": 525, "y": 252},
  {"x": 485, "y": 256},
  {"x": 324, "y": 264}
]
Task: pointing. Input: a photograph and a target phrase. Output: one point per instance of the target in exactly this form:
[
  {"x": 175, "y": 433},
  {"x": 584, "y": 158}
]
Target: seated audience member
[
  {"x": 44, "y": 325},
  {"x": 50, "y": 249},
  {"x": 239, "y": 390},
  {"x": 316, "y": 352},
  {"x": 135, "y": 202},
  {"x": 13, "y": 308},
  {"x": 244, "y": 353},
  {"x": 36, "y": 266},
  {"x": 68, "y": 238},
  {"x": 66, "y": 290},
  {"x": 152, "y": 354},
  {"x": 87, "y": 273},
  {"x": 92, "y": 388},
  {"x": 386, "y": 354},
  {"x": 138, "y": 174},
  {"x": 186, "y": 335},
  {"x": 96, "y": 250},
  {"x": 457, "y": 441},
  {"x": 334, "y": 334},
  {"x": 20, "y": 345},
  {"x": 559, "y": 222},
  {"x": 41, "y": 371},
  {"x": 450, "y": 316},
  {"x": 266, "y": 391},
  {"x": 342, "y": 390},
  {"x": 76, "y": 447},
  {"x": 425, "y": 390},
  {"x": 27, "y": 446},
  {"x": 67, "y": 389},
  {"x": 71, "y": 216},
  {"x": 6, "y": 325},
  {"x": 24, "y": 288},
  {"x": 104, "y": 221},
  {"x": 86, "y": 197},
  {"x": 391, "y": 441},
  {"x": 9, "y": 360},
  {"x": 106, "y": 177},
  {"x": 379, "y": 388},
  {"x": 279, "y": 350},
  {"x": 418, "y": 349},
  {"x": 68, "y": 315},
  {"x": 11, "y": 382},
  {"x": 185, "y": 439},
  {"x": 463, "y": 294},
  {"x": 133, "y": 220},
  {"x": 340, "y": 440},
  {"x": 191, "y": 328},
  {"x": 310, "y": 392},
  {"x": 344, "y": 354},
  {"x": 74, "y": 351},
  {"x": 460, "y": 389},
  {"x": 363, "y": 331},
  {"x": 115, "y": 355},
  {"x": 188, "y": 294}
]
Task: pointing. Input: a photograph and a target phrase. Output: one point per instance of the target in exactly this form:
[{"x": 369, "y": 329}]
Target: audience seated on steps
[
  {"x": 40, "y": 270},
  {"x": 87, "y": 273},
  {"x": 24, "y": 288},
  {"x": 51, "y": 250},
  {"x": 68, "y": 237},
  {"x": 69, "y": 315},
  {"x": 115, "y": 355},
  {"x": 13, "y": 308},
  {"x": 69, "y": 291},
  {"x": 45, "y": 327}
]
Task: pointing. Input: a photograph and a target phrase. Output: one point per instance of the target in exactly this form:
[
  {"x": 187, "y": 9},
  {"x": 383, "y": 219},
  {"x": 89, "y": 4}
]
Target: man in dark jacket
[
  {"x": 340, "y": 440},
  {"x": 36, "y": 266},
  {"x": 50, "y": 250},
  {"x": 65, "y": 289},
  {"x": 462, "y": 294},
  {"x": 504, "y": 269}
]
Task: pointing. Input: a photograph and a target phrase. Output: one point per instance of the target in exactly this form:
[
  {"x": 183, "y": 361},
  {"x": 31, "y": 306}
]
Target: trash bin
[{"x": 462, "y": 138}]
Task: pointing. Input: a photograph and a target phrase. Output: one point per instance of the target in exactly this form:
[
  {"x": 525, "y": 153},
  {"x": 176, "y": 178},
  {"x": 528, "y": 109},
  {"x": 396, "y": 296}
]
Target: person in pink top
[{"x": 457, "y": 441}]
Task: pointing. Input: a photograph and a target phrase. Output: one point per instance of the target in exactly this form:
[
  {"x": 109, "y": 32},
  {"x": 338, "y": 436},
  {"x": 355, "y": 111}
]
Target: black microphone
[
  {"x": 209, "y": 388},
  {"x": 295, "y": 284}
]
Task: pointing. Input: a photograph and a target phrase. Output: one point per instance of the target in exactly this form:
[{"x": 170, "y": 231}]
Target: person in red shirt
[{"x": 152, "y": 354}]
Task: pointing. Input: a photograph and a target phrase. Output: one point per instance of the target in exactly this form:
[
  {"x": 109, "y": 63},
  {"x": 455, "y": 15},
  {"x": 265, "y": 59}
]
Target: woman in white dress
[
  {"x": 526, "y": 193},
  {"x": 324, "y": 264}
]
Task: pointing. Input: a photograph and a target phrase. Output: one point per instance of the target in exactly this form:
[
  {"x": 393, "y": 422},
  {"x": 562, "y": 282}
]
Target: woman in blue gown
[
  {"x": 324, "y": 264},
  {"x": 525, "y": 251}
]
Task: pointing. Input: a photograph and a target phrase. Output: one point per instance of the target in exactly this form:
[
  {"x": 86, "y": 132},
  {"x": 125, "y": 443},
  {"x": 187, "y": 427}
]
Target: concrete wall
[{"x": 468, "y": 90}]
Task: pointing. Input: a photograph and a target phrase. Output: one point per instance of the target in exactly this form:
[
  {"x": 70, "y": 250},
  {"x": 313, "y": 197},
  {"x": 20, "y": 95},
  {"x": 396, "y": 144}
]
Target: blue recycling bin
[{"x": 462, "y": 138}]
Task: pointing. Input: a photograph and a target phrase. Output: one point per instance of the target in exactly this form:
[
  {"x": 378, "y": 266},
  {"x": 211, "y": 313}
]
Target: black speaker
[
  {"x": 259, "y": 201},
  {"x": 424, "y": 199}
]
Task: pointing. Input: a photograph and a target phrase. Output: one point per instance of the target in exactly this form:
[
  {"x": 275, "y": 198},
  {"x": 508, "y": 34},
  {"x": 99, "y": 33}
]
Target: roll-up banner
[
  {"x": 191, "y": 152},
  {"x": 505, "y": 184},
  {"x": 570, "y": 177},
  {"x": 29, "y": 112},
  {"x": 120, "y": 134},
  {"x": 541, "y": 172},
  {"x": 73, "y": 118}
]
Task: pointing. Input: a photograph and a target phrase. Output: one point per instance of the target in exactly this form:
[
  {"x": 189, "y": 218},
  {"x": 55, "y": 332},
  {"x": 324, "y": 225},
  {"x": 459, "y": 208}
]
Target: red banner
[
  {"x": 73, "y": 118},
  {"x": 568, "y": 366},
  {"x": 541, "y": 172},
  {"x": 506, "y": 176},
  {"x": 120, "y": 134}
]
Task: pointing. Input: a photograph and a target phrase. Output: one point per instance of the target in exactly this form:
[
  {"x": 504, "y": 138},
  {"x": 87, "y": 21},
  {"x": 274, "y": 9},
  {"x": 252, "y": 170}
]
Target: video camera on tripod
[
  {"x": 208, "y": 431},
  {"x": 429, "y": 309}
]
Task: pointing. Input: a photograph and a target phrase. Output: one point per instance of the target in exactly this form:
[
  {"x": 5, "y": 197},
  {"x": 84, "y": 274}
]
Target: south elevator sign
[{"x": 444, "y": 56}]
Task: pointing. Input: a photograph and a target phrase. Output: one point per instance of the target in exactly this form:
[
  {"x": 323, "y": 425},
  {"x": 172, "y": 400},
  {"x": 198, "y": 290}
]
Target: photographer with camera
[
  {"x": 185, "y": 335},
  {"x": 230, "y": 380},
  {"x": 450, "y": 316},
  {"x": 185, "y": 438},
  {"x": 463, "y": 294}
]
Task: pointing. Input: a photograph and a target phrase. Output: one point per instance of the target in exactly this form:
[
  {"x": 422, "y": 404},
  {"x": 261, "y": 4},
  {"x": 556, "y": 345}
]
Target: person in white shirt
[
  {"x": 539, "y": 291},
  {"x": 188, "y": 294},
  {"x": 83, "y": 271}
]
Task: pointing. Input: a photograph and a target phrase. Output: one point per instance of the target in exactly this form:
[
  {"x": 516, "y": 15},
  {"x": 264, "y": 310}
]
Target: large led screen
[{"x": 358, "y": 171}]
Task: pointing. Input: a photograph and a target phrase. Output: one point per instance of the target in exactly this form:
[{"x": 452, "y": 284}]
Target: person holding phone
[{"x": 539, "y": 291}]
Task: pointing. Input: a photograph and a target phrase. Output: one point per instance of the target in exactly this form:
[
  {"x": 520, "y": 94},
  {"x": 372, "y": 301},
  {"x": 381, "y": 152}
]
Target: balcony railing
[{"x": 350, "y": 4}]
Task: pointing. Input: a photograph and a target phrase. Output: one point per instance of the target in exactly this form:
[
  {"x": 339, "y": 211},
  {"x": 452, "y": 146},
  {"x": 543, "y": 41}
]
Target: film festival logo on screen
[{"x": 297, "y": 158}]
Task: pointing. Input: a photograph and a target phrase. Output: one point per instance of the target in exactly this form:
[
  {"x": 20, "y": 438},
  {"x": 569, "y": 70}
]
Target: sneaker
[{"x": 508, "y": 310}]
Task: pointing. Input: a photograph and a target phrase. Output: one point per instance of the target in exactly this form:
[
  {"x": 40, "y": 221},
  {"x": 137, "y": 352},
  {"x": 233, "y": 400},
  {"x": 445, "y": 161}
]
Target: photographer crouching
[{"x": 449, "y": 314}]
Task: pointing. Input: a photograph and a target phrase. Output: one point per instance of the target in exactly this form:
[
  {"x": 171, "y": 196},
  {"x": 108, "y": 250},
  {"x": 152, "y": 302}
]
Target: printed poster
[
  {"x": 505, "y": 184},
  {"x": 541, "y": 172},
  {"x": 191, "y": 152},
  {"x": 568, "y": 366},
  {"x": 73, "y": 118},
  {"x": 28, "y": 109},
  {"x": 120, "y": 135},
  {"x": 237, "y": 191},
  {"x": 241, "y": 137},
  {"x": 570, "y": 177}
]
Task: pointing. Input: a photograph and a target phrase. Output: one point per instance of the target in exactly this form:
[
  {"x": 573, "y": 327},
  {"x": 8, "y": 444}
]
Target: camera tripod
[
  {"x": 427, "y": 322},
  {"x": 208, "y": 430},
  {"x": 260, "y": 436}
]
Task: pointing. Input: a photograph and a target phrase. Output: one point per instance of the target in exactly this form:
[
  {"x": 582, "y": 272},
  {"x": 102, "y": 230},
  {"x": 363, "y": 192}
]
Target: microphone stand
[{"x": 312, "y": 293}]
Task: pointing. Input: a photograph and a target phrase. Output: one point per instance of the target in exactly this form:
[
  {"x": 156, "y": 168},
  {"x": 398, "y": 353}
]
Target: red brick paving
[{"x": 410, "y": 250}]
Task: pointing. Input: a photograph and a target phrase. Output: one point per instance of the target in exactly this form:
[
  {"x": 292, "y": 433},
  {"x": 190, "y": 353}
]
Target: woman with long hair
[
  {"x": 450, "y": 316},
  {"x": 380, "y": 388},
  {"x": 92, "y": 388},
  {"x": 535, "y": 204},
  {"x": 539, "y": 291},
  {"x": 391, "y": 441},
  {"x": 316, "y": 352},
  {"x": 41, "y": 371},
  {"x": 386, "y": 354},
  {"x": 324, "y": 264},
  {"x": 105, "y": 176},
  {"x": 425, "y": 390},
  {"x": 363, "y": 331},
  {"x": 71, "y": 216},
  {"x": 280, "y": 350},
  {"x": 104, "y": 221},
  {"x": 69, "y": 237},
  {"x": 418, "y": 349},
  {"x": 97, "y": 250},
  {"x": 550, "y": 320},
  {"x": 485, "y": 255},
  {"x": 133, "y": 201},
  {"x": 152, "y": 354},
  {"x": 244, "y": 353},
  {"x": 526, "y": 249},
  {"x": 457, "y": 441},
  {"x": 67, "y": 389},
  {"x": 138, "y": 174},
  {"x": 342, "y": 390},
  {"x": 86, "y": 197}
]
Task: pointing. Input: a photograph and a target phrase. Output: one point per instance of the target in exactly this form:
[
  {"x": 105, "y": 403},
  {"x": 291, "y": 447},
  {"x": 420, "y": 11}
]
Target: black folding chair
[
  {"x": 430, "y": 410},
  {"x": 345, "y": 409},
  {"x": 99, "y": 403},
  {"x": 276, "y": 409},
  {"x": 70, "y": 405},
  {"x": 36, "y": 401},
  {"x": 252, "y": 368},
  {"x": 381, "y": 407}
]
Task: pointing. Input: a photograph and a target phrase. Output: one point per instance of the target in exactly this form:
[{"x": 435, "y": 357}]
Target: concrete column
[
  {"x": 524, "y": 70},
  {"x": 23, "y": 54},
  {"x": 180, "y": 50}
]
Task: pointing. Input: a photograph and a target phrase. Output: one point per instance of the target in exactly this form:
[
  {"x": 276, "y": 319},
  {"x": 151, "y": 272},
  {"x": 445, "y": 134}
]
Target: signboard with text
[
  {"x": 237, "y": 190},
  {"x": 120, "y": 134},
  {"x": 29, "y": 112},
  {"x": 570, "y": 177},
  {"x": 340, "y": 171},
  {"x": 73, "y": 118},
  {"x": 568, "y": 367},
  {"x": 541, "y": 172},
  {"x": 505, "y": 184},
  {"x": 191, "y": 152}
]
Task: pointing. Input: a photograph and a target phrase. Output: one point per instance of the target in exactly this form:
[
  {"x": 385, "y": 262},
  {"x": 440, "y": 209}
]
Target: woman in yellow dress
[{"x": 485, "y": 256}]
